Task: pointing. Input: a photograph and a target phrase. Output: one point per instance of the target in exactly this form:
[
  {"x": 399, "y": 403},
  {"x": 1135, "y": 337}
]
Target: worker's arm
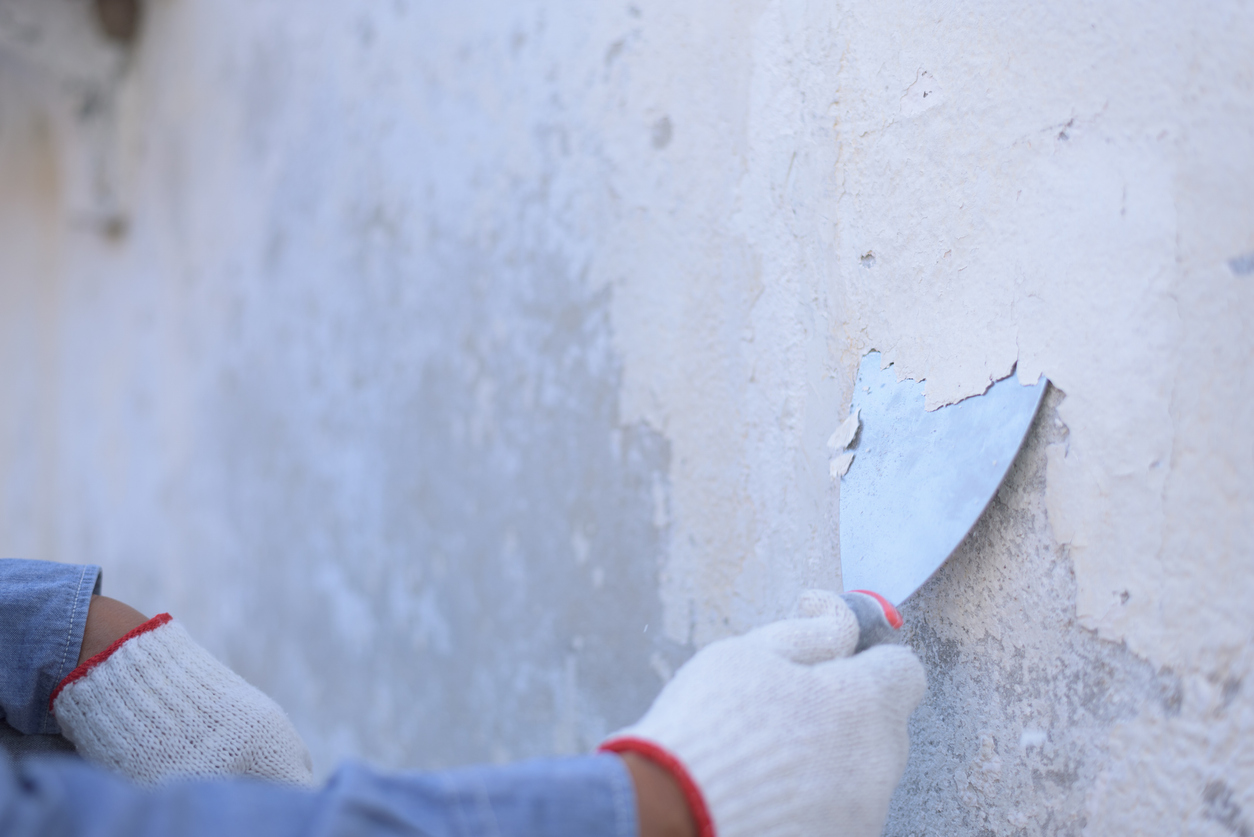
[
  {"x": 108, "y": 620},
  {"x": 136, "y": 695},
  {"x": 47, "y": 600},
  {"x": 52, "y": 618},
  {"x": 782, "y": 730},
  {"x": 660, "y": 804},
  {"x": 155, "y": 705},
  {"x": 588, "y": 796},
  {"x": 43, "y": 615}
]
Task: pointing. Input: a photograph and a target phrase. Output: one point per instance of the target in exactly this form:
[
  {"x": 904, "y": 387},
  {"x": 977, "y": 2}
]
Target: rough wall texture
[
  {"x": 1022, "y": 699},
  {"x": 455, "y": 370}
]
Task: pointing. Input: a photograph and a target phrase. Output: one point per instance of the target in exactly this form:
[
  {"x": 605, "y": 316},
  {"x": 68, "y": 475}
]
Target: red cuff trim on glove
[
  {"x": 91, "y": 662},
  {"x": 672, "y": 765}
]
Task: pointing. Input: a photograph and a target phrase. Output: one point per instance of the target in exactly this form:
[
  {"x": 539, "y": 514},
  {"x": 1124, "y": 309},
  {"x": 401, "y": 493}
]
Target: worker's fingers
[
  {"x": 892, "y": 673},
  {"x": 812, "y": 603},
  {"x": 813, "y": 640}
]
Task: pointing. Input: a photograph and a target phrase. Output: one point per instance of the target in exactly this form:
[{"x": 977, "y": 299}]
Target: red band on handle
[
  {"x": 91, "y": 662},
  {"x": 890, "y": 612},
  {"x": 672, "y": 765}
]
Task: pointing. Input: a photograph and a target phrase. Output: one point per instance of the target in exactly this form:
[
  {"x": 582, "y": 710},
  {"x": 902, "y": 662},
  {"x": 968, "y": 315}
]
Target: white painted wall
[{"x": 458, "y": 369}]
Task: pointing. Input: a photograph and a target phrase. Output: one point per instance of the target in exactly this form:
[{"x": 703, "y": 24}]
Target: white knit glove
[
  {"x": 156, "y": 705},
  {"x": 783, "y": 731}
]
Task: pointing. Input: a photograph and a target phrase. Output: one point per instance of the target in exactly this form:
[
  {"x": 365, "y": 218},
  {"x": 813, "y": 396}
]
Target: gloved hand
[
  {"x": 783, "y": 731},
  {"x": 156, "y": 705}
]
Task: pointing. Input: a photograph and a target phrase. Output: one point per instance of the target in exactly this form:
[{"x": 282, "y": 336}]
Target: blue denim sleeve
[
  {"x": 588, "y": 796},
  {"x": 43, "y": 610}
]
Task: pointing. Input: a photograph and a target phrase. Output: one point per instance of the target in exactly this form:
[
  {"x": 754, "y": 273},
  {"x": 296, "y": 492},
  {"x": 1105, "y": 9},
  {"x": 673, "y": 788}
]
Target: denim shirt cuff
[
  {"x": 43, "y": 613},
  {"x": 75, "y": 626}
]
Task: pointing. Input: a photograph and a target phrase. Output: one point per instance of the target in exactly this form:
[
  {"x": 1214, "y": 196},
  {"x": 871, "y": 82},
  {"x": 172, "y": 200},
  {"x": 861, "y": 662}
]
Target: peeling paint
[
  {"x": 842, "y": 437},
  {"x": 840, "y": 464}
]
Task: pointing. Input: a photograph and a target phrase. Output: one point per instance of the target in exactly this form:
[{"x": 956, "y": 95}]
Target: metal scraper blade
[{"x": 920, "y": 480}]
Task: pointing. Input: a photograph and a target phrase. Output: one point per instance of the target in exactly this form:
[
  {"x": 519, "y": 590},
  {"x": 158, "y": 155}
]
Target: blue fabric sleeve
[
  {"x": 588, "y": 796},
  {"x": 43, "y": 611}
]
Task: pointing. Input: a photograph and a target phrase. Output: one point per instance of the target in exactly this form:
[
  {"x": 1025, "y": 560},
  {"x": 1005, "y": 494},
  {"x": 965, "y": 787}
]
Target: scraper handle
[{"x": 877, "y": 618}]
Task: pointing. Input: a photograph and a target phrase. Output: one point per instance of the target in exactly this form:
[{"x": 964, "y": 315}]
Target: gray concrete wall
[
  {"x": 1022, "y": 700},
  {"x": 455, "y": 372}
]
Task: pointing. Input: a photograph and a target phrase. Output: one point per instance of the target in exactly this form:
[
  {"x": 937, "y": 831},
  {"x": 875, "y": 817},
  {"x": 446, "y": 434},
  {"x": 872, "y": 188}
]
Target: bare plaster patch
[
  {"x": 925, "y": 94},
  {"x": 1024, "y": 705}
]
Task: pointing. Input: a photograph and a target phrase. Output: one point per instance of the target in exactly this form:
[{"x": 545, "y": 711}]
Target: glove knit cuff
[
  {"x": 667, "y": 761},
  {"x": 85, "y": 667},
  {"x": 155, "y": 705}
]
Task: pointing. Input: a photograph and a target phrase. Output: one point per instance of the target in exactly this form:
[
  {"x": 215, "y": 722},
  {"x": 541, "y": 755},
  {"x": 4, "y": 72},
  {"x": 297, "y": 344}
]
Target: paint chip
[
  {"x": 840, "y": 465},
  {"x": 845, "y": 434},
  {"x": 925, "y": 93}
]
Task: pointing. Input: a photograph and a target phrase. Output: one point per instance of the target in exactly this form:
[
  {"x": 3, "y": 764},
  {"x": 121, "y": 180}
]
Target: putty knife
[{"x": 917, "y": 481}]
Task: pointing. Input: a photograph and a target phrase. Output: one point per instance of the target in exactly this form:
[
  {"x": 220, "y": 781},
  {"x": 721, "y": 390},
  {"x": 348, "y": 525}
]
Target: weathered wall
[{"x": 454, "y": 371}]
